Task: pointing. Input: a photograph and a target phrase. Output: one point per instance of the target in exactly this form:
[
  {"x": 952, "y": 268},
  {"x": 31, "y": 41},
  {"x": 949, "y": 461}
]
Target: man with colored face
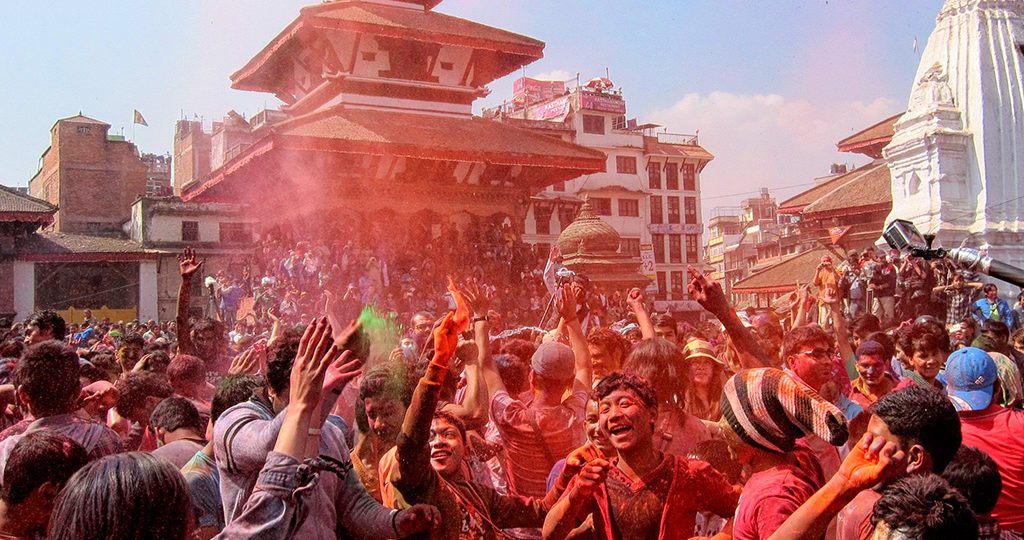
[
  {"x": 874, "y": 380},
  {"x": 647, "y": 494}
]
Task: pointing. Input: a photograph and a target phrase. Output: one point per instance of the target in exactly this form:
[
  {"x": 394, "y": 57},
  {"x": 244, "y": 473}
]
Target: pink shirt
[
  {"x": 998, "y": 432},
  {"x": 772, "y": 495},
  {"x": 532, "y": 453}
]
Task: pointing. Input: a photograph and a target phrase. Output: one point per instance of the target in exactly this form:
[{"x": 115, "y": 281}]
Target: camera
[{"x": 902, "y": 235}]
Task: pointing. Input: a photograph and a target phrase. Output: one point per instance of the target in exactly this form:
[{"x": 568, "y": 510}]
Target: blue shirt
[{"x": 983, "y": 311}]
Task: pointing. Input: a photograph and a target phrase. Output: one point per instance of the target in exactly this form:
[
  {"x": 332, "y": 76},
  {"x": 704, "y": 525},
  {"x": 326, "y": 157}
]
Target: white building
[
  {"x": 957, "y": 156},
  {"x": 650, "y": 189}
]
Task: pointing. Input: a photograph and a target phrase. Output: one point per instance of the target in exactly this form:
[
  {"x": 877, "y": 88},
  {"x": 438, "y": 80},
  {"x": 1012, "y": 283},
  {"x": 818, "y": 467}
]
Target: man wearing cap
[
  {"x": 971, "y": 381},
  {"x": 540, "y": 431},
  {"x": 765, "y": 414}
]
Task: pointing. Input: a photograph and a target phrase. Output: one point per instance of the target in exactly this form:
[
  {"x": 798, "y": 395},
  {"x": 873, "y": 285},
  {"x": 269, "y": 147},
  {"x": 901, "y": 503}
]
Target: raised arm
[
  {"x": 709, "y": 294},
  {"x": 566, "y": 514},
  {"x": 635, "y": 300},
  {"x": 581, "y": 352},
  {"x": 188, "y": 264}
]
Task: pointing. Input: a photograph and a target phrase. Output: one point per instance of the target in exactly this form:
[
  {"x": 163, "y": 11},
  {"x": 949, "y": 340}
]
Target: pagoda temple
[
  {"x": 590, "y": 247},
  {"x": 377, "y": 114}
]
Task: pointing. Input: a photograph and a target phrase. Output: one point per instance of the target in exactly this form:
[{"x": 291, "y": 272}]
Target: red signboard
[
  {"x": 602, "y": 102},
  {"x": 535, "y": 90},
  {"x": 556, "y": 108}
]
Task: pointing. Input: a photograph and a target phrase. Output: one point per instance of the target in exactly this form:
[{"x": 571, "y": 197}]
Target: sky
[{"x": 770, "y": 86}]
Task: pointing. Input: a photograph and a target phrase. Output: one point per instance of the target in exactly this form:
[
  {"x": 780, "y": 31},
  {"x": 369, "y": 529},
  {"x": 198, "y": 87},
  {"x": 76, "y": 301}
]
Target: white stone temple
[{"x": 957, "y": 156}]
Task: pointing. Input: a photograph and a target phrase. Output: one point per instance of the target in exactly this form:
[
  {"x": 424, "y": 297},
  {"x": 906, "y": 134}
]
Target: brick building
[{"x": 90, "y": 175}]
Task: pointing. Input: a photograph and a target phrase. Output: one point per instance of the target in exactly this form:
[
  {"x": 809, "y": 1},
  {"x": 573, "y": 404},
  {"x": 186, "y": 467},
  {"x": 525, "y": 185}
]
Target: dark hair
[
  {"x": 157, "y": 361},
  {"x": 976, "y": 476},
  {"x": 48, "y": 319},
  {"x": 609, "y": 340},
  {"x": 1018, "y": 336},
  {"x": 989, "y": 287},
  {"x": 800, "y": 336},
  {"x": 389, "y": 380},
  {"x": 521, "y": 348},
  {"x": 39, "y": 457},
  {"x": 134, "y": 495},
  {"x": 133, "y": 339},
  {"x": 997, "y": 329},
  {"x": 231, "y": 390},
  {"x": 716, "y": 453},
  {"x": 627, "y": 381},
  {"x": 186, "y": 369},
  {"x": 925, "y": 507},
  {"x": 453, "y": 420},
  {"x": 664, "y": 319},
  {"x": 12, "y": 348},
  {"x": 865, "y": 324},
  {"x": 136, "y": 387},
  {"x": 925, "y": 416},
  {"x": 514, "y": 372},
  {"x": 925, "y": 336},
  {"x": 107, "y": 363},
  {"x": 89, "y": 371},
  {"x": 206, "y": 324},
  {"x": 280, "y": 358},
  {"x": 659, "y": 361},
  {"x": 48, "y": 374},
  {"x": 176, "y": 413},
  {"x": 885, "y": 340}
]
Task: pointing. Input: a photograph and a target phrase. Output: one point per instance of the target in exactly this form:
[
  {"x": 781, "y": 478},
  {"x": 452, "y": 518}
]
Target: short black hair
[
  {"x": 658, "y": 362},
  {"x": 514, "y": 372},
  {"x": 800, "y": 336},
  {"x": 175, "y": 413},
  {"x": 976, "y": 476},
  {"x": 133, "y": 339},
  {"x": 48, "y": 374},
  {"x": 40, "y": 456},
  {"x": 664, "y": 320},
  {"x": 135, "y": 387},
  {"x": 281, "y": 357},
  {"x": 886, "y": 341},
  {"x": 989, "y": 287},
  {"x": 627, "y": 381},
  {"x": 453, "y": 420},
  {"x": 389, "y": 380},
  {"x": 924, "y": 416},
  {"x": 864, "y": 324},
  {"x": 926, "y": 336},
  {"x": 997, "y": 329},
  {"x": 231, "y": 390},
  {"x": 49, "y": 319},
  {"x": 925, "y": 507}
]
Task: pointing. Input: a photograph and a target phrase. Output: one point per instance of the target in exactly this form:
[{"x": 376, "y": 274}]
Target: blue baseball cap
[{"x": 970, "y": 376}]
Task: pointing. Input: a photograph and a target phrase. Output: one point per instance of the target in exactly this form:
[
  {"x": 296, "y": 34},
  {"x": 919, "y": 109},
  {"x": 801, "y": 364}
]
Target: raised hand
[
  {"x": 871, "y": 461},
  {"x": 446, "y": 339},
  {"x": 245, "y": 363},
  {"x": 416, "y": 519},
  {"x": 461, "y": 315},
  {"x": 477, "y": 298},
  {"x": 566, "y": 303},
  {"x": 635, "y": 299},
  {"x": 706, "y": 291},
  {"x": 188, "y": 264},
  {"x": 342, "y": 371},
  {"x": 316, "y": 353}
]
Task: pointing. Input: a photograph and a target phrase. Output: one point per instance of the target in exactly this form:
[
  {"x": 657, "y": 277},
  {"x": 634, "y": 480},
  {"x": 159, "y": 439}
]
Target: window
[
  {"x": 558, "y": 186},
  {"x": 189, "y": 231},
  {"x": 369, "y": 56},
  {"x": 84, "y": 130},
  {"x": 602, "y": 206},
  {"x": 678, "y": 290},
  {"x": 542, "y": 216},
  {"x": 662, "y": 286},
  {"x": 671, "y": 176},
  {"x": 689, "y": 178},
  {"x": 691, "y": 248},
  {"x": 675, "y": 248},
  {"x": 593, "y": 123},
  {"x": 691, "y": 210},
  {"x": 656, "y": 212},
  {"x": 659, "y": 247},
  {"x": 566, "y": 213},
  {"x": 625, "y": 164},
  {"x": 654, "y": 175},
  {"x": 630, "y": 246},
  {"x": 673, "y": 209},
  {"x": 629, "y": 207},
  {"x": 447, "y": 66},
  {"x": 619, "y": 123},
  {"x": 235, "y": 232}
]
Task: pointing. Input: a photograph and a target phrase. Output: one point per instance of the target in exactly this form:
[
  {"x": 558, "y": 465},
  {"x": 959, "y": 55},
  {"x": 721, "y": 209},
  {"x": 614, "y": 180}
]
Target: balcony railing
[{"x": 665, "y": 137}]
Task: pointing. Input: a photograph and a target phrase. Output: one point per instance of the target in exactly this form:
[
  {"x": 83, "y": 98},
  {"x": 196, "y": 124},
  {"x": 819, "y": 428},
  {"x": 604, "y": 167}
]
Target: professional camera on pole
[{"x": 904, "y": 236}]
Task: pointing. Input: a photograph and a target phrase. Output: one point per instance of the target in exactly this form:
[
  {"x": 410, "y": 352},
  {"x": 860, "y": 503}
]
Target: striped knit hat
[{"x": 770, "y": 409}]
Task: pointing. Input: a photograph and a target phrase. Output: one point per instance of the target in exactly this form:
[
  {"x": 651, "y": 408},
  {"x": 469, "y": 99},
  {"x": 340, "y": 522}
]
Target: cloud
[
  {"x": 767, "y": 140},
  {"x": 553, "y": 75}
]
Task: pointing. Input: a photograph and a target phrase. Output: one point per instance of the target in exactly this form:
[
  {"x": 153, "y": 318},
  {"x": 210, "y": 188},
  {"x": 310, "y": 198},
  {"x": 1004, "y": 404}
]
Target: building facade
[
  {"x": 91, "y": 176},
  {"x": 649, "y": 192}
]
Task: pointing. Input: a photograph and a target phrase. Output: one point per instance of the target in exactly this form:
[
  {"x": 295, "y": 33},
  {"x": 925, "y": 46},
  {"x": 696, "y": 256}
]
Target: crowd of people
[{"x": 516, "y": 401}]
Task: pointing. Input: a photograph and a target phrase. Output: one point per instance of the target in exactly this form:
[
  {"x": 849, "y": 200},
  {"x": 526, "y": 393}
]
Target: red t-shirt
[
  {"x": 854, "y": 520},
  {"x": 998, "y": 432},
  {"x": 770, "y": 496}
]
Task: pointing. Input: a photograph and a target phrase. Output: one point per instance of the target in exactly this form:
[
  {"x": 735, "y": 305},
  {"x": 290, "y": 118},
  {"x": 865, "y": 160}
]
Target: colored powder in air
[{"x": 382, "y": 331}]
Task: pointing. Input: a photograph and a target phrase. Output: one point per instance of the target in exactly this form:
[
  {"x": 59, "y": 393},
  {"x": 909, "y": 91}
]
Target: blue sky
[{"x": 770, "y": 85}]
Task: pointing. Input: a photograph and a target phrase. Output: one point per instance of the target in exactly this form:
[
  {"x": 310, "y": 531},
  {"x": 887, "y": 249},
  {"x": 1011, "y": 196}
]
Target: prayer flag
[{"x": 139, "y": 119}]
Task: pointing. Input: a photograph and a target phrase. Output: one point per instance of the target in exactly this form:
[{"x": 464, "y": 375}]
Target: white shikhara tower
[{"x": 957, "y": 156}]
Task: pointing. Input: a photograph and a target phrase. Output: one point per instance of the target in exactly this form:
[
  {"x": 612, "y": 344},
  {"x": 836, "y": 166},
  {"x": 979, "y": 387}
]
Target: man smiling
[{"x": 647, "y": 494}]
